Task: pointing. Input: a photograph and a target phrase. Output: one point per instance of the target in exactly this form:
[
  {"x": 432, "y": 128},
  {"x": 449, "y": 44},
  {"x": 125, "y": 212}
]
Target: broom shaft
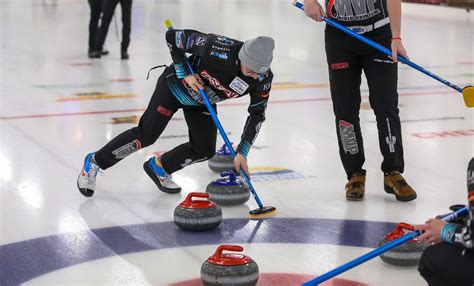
[{"x": 378, "y": 251}]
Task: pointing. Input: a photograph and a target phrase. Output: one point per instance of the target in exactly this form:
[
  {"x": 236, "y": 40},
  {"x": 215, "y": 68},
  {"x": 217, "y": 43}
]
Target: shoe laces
[
  {"x": 92, "y": 174},
  {"x": 168, "y": 179}
]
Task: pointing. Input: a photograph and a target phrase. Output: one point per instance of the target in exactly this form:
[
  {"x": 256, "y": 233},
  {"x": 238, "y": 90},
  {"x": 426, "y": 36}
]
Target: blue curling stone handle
[
  {"x": 224, "y": 151},
  {"x": 228, "y": 179}
]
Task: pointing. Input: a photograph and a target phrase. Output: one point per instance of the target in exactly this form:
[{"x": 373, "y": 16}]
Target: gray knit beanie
[{"x": 257, "y": 53}]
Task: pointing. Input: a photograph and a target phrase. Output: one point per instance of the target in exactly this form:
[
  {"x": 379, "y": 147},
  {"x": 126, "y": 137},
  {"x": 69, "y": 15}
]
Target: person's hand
[
  {"x": 241, "y": 162},
  {"x": 398, "y": 49},
  {"x": 314, "y": 10},
  {"x": 431, "y": 230},
  {"x": 195, "y": 82}
]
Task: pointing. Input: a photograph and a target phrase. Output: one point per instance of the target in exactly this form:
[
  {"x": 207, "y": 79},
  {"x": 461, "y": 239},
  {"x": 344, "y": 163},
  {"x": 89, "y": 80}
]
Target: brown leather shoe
[
  {"x": 355, "y": 188},
  {"x": 394, "y": 183}
]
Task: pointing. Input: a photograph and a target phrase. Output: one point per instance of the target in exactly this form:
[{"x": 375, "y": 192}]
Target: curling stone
[
  {"x": 230, "y": 190},
  {"x": 229, "y": 268},
  {"x": 197, "y": 215},
  {"x": 407, "y": 254},
  {"x": 222, "y": 161}
]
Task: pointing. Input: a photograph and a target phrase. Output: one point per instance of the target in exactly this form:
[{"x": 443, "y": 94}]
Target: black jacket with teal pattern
[{"x": 215, "y": 59}]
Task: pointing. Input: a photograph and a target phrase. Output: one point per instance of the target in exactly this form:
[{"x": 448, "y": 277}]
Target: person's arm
[
  {"x": 395, "y": 14},
  {"x": 258, "y": 105},
  {"x": 463, "y": 234},
  {"x": 314, "y": 10},
  {"x": 469, "y": 233},
  {"x": 436, "y": 230},
  {"x": 181, "y": 42}
]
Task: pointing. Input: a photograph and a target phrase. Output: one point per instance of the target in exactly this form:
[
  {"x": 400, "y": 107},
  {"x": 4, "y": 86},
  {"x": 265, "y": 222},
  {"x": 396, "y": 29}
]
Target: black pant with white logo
[
  {"x": 201, "y": 129},
  {"x": 347, "y": 57}
]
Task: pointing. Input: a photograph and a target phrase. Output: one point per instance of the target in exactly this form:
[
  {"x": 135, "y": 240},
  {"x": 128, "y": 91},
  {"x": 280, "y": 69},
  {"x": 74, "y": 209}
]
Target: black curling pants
[
  {"x": 162, "y": 106},
  {"x": 347, "y": 57}
]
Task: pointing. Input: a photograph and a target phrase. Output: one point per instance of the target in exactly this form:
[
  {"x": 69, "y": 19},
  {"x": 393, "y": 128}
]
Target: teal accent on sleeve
[
  {"x": 182, "y": 97},
  {"x": 244, "y": 148},
  {"x": 447, "y": 233},
  {"x": 181, "y": 71}
]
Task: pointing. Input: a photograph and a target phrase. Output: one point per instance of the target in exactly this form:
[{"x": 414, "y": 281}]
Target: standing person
[
  {"x": 380, "y": 21},
  {"x": 450, "y": 259},
  {"x": 96, "y": 10},
  {"x": 225, "y": 68},
  {"x": 108, "y": 13}
]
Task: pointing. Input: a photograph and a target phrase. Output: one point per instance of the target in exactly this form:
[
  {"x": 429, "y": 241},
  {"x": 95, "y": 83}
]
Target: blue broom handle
[
  {"x": 226, "y": 139},
  {"x": 376, "y": 252},
  {"x": 383, "y": 49}
]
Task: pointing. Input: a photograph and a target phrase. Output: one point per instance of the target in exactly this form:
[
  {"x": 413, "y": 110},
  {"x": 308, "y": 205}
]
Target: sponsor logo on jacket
[{"x": 217, "y": 85}]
